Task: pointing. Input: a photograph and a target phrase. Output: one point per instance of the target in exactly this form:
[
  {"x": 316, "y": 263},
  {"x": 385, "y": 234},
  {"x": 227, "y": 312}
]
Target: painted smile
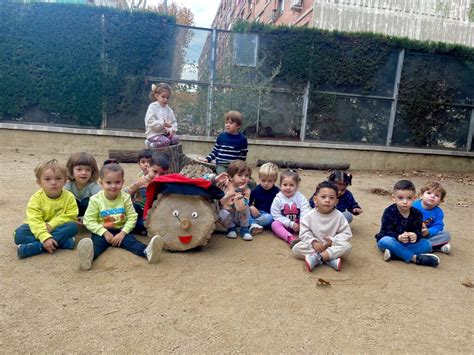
[{"x": 185, "y": 239}]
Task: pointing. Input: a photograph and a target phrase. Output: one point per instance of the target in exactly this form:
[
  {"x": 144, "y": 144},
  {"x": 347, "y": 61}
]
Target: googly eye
[
  {"x": 194, "y": 215},
  {"x": 175, "y": 213}
]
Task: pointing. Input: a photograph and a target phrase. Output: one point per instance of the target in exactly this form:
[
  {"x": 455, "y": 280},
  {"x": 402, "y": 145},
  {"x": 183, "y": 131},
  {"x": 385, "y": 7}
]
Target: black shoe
[{"x": 427, "y": 260}]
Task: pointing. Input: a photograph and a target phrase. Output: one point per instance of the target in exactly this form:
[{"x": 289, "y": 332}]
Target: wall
[{"x": 51, "y": 140}]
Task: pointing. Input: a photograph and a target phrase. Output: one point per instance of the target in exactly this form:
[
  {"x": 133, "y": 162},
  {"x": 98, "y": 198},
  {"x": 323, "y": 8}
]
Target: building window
[{"x": 245, "y": 49}]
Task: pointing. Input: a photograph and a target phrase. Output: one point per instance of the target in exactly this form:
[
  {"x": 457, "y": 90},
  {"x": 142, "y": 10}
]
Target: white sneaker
[
  {"x": 85, "y": 250},
  {"x": 386, "y": 255},
  {"x": 446, "y": 248},
  {"x": 232, "y": 235},
  {"x": 153, "y": 249},
  {"x": 255, "y": 229},
  {"x": 335, "y": 263},
  {"x": 247, "y": 236}
]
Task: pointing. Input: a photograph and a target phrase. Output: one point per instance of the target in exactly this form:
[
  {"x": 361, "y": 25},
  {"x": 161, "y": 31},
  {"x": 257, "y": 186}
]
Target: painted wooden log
[{"x": 303, "y": 165}]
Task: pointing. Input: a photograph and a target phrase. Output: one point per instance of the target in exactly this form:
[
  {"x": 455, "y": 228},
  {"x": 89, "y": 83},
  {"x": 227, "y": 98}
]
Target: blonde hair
[
  {"x": 268, "y": 170},
  {"x": 434, "y": 186},
  {"x": 233, "y": 116},
  {"x": 82, "y": 158},
  {"x": 52, "y": 164},
  {"x": 158, "y": 89}
]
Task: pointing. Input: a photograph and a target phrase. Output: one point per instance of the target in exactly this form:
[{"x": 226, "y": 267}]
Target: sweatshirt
[
  {"x": 288, "y": 211},
  {"x": 433, "y": 218},
  {"x": 315, "y": 226},
  {"x": 87, "y": 191},
  {"x": 155, "y": 119}
]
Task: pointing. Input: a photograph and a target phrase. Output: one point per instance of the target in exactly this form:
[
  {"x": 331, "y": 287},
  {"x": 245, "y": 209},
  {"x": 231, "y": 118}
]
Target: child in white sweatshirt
[
  {"x": 288, "y": 207},
  {"x": 324, "y": 232}
]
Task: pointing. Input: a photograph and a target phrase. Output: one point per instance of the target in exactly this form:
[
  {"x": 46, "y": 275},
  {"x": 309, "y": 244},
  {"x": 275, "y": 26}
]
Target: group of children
[{"x": 317, "y": 230}]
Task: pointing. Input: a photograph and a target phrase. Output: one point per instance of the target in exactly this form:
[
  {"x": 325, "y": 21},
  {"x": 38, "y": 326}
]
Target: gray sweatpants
[{"x": 339, "y": 249}]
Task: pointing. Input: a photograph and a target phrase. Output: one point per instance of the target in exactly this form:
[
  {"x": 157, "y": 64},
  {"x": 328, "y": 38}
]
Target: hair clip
[{"x": 153, "y": 87}]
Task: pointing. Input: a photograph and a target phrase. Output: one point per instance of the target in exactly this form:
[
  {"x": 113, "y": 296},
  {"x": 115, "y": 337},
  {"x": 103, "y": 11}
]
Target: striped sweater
[{"x": 228, "y": 147}]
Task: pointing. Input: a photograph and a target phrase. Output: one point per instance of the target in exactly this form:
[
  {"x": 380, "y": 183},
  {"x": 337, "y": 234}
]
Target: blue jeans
[
  {"x": 265, "y": 219},
  {"x": 404, "y": 251},
  {"x": 129, "y": 243},
  {"x": 82, "y": 205},
  {"x": 61, "y": 234}
]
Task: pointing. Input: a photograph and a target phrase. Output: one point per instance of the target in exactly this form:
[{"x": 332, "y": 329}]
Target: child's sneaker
[
  {"x": 85, "y": 250},
  {"x": 29, "y": 249},
  {"x": 255, "y": 229},
  {"x": 335, "y": 263},
  {"x": 69, "y": 244},
  {"x": 427, "y": 260},
  {"x": 445, "y": 248},
  {"x": 232, "y": 235},
  {"x": 247, "y": 237},
  {"x": 293, "y": 242},
  {"x": 312, "y": 261},
  {"x": 153, "y": 249},
  {"x": 386, "y": 255}
]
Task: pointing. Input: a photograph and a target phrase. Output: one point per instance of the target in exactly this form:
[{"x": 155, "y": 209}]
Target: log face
[{"x": 184, "y": 222}]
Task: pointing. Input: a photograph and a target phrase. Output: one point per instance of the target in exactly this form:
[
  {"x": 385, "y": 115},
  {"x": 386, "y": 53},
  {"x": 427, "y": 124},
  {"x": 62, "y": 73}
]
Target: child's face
[
  {"x": 52, "y": 182},
  {"x": 162, "y": 98},
  {"x": 240, "y": 179},
  {"x": 156, "y": 170},
  {"x": 288, "y": 186},
  {"x": 267, "y": 182},
  {"x": 341, "y": 188},
  {"x": 144, "y": 163},
  {"x": 403, "y": 199},
  {"x": 231, "y": 127},
  {"x": 112, "y": 183},
  {"x": 82, "y": 174},
  {"x": 326, "y": 200},
  {"x": 430, "y": 199}
]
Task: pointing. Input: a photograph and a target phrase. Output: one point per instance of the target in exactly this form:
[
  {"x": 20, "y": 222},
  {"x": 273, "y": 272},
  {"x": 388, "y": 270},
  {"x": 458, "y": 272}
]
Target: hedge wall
[{"x": 77, "y": 62}]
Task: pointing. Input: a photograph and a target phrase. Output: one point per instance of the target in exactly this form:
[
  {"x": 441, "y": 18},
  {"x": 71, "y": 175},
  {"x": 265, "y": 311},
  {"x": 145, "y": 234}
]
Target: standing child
[
  {"x": 261, "y": 198},
  {"x": 111, "y": 217},
  {"x": 83, "y": 173},
  {"x": 144, "y": 157},
  {"x": 288, "y": 207},
  {"x": 160, "y": 123},
  {"x": 50, "y": 215},
  {"x": 235, "y": 211},
  {"x": 158, "y": 165},
  {"x": 230, "y": 145},
  {"x": 324, "y": 231},
  {"x": 347, "y": 203},
  {"x": 431, "y": 195},
  {"x": 400, "y": 233}
]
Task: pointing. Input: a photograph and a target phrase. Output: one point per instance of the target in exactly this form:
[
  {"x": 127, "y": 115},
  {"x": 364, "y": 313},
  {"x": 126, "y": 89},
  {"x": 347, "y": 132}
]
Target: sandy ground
[{"x": 235, "y": 296}]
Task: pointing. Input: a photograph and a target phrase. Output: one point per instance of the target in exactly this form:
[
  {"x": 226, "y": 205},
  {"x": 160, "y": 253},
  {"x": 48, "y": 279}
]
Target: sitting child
[
  {"x": 159, "y": 165},
  {"x": 82, "y": 173},
  {"x": 431, "y": 195},
  {"x": 144, "y": 157},
  {"x": 288, "y": 207},
  {"x": 50, "y": 215},
  {"x": 235, "y": 211},
  {"x": 347, "y": 203},
  {"x": 111, "y": 217},
  {"x": 261, "y": 198},
  {"x": 400, "y": 233},
  {"x": 324, "y": 232}
]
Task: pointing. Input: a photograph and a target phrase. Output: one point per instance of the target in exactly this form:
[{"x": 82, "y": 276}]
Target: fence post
[
  {"x": 471, "y": 132},
  {"x": 396, "y": 86},
  {"x": 103, "y": 123},
  {"x": 210, "y": 91},
  {"x": 305, "y": 112}
]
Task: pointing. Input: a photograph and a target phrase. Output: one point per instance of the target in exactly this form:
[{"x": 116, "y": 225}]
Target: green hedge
[{"x": 78, "y": 61}]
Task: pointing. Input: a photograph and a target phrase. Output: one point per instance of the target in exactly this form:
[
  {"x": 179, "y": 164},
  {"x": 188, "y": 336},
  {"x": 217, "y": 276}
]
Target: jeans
[
  {"x": 233, "y": 219},
  {"x": 140, "y": 226},
  {"x": 404, "y": 251},
  {"x": 265, "y": 219},
  {"x": 60, "y": 234},
  {"x": 82, "y": 205},
  {"x": 129, "y": 243},
  {"x": 348, "y": 216}
]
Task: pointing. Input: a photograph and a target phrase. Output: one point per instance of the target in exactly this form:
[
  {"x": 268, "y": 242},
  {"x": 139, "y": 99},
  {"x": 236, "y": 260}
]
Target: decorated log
[{"x": 303, "y": 165}]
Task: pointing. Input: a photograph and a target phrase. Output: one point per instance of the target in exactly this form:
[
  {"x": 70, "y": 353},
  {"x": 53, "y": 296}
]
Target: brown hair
[
  {"x": 82, "y": 158},
  {"x": 434, "y": 186},
  {"x": 113, "y": 167},
  {"x": 158, "y": 89},
  {"x": 292, "y": 174},
  {"x": 52, "y": 164},
  {"x": 233, "y": 116},
  {"x": 238, "y": 167}
]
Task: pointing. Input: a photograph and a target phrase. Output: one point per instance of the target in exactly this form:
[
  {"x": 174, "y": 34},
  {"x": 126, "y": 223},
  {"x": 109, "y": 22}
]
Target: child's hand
[
  {"x": 296, "y": 227},
  {"x": 168, "y": 124},
  {"x": 203, "y": 159},
  {"x": 254, "y": 212},
  {"x": 48, "y": 227},
  {"x": 117, "y": 239},
  {"x": 108, "y": 237},
  {"x": 50, "y": 245},
  {"x": 424, "y": 230},
  {"x": 411, "y": 237},
  {"x": 222, "y": 180},
  {"x": 404, "y": 238},
  {"x": 328, "y": 242},
  {"x": 357, "y": 211},
  {"x": 318, "y": 247}
]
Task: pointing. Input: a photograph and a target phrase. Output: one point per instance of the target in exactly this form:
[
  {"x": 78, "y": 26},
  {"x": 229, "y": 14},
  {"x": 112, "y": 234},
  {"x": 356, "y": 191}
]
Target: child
[
  {"x": 347, "y": 203},
  {"x": 160, "y": 123},
  {"x": 110, "y": 217},
  {"x": 144, "y": 157},
  {"x": 400, "y": 233},
  {"x": 235, "y": 211},
  {"x": 159, "y": 165},
  {"x": 230, "y": 145},
  {"x": 50, "y": 215},
  {"x": 432, "y": 194},
  {"x": 82, "y": 173},
  {"x": 261, "y": 198},
  {"x": 324, "y": 231},
  {"x": 288, "y": 207}
]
